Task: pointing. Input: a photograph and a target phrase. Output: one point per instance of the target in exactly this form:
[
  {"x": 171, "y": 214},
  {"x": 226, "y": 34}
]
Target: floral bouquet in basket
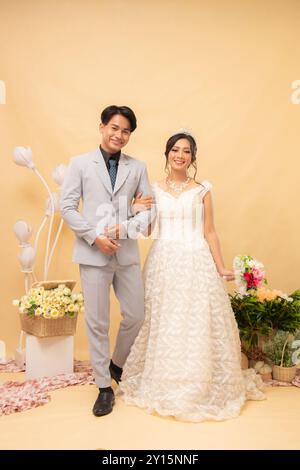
[
  {"x": 50, "y": 309},
  {"x": 50, "y": 303}
]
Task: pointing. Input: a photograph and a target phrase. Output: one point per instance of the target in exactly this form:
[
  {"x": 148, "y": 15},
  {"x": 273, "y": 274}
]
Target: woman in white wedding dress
[{"x": 186, "y": 359}]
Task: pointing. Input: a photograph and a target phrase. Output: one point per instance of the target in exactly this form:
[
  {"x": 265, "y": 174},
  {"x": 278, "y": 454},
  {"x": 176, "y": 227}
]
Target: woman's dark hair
[
  {"x": 172, "y": 141},
  {"x": 112, "y": 110}
]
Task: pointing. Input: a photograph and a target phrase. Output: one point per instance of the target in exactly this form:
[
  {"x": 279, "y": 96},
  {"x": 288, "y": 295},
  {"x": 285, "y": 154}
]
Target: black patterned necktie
[{"x": 112, "y": 171}]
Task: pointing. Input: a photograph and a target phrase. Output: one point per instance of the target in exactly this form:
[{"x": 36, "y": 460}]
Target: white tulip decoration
[
  {"x": 58, "y": 174},
  {"x": 23, "y": 232},
  {"x": 23, "y": 156},
  {"x": 27, "y": 258}
]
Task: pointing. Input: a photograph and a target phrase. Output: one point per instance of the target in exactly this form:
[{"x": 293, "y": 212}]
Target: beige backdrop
[{"x": 222, "y": 68}]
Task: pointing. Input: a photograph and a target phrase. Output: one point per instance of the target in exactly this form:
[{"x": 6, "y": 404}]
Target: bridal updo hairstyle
[{"x": 172, "y": 141}]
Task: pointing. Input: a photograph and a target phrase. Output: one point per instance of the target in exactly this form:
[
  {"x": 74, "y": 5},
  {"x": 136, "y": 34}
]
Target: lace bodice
[{"x": 180, "y": 218}]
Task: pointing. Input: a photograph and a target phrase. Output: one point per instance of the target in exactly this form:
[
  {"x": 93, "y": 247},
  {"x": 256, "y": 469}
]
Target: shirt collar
[{"x": 107, "y": 156}]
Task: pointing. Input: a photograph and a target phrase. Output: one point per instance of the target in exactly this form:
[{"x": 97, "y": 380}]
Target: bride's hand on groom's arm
[
  {"x": 106, "y": 245},
  {"x": 141, "y": 204},
  {"x": 226, "y": 274},
  {"x": 115, "y": 231}
]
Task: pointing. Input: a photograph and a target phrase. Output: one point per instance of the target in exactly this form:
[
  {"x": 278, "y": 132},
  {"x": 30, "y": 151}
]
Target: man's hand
[
  {"x": 114, "y": 231},
  {"x": 141, "y": 204},
  {"x": 107, "y": 246}
]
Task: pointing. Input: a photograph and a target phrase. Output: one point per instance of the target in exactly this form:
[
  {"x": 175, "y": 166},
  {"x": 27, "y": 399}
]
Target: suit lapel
[
  {"x": 123, "y": 170},
  {"x": 101, "y": 169}
]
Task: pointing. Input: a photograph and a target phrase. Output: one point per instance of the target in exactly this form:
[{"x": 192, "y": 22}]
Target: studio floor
[{"x": 67, "y": 422}]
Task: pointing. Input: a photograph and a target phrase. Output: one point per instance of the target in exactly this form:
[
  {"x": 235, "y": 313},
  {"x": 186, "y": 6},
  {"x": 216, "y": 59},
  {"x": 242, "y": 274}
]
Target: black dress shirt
[{"x": 107, "y": 156}]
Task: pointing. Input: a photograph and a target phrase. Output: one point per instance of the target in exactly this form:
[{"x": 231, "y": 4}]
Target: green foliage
[
  {"x": 260, "y": 318},
  {"x": 280, "y": 349}
]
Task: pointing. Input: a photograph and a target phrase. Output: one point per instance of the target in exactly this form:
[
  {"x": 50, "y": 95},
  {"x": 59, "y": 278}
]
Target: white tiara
[{"x": 183, "y": 130}]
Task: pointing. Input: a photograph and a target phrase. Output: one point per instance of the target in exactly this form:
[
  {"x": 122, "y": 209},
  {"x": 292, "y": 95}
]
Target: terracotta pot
[
  {"x": 252, "y": 363},
  {"x": 267, "y": 376},
  {"x": 244, "y": 361}
]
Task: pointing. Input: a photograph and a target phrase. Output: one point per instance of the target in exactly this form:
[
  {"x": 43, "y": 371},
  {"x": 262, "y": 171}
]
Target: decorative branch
[{"x": 50, "y": 224}]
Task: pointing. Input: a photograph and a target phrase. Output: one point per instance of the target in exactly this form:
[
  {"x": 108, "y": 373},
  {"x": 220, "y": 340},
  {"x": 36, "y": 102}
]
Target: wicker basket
[
  {"x": 284, "y": 374},
  {"x": 52, "y": 284},
  {"x": 43, "y": 327}
]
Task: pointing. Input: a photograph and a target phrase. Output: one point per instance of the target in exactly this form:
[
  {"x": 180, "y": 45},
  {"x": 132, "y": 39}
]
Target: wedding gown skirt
[{"x": 186, "y": 360}]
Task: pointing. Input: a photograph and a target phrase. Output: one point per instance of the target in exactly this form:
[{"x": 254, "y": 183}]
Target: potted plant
[
  {"x": 284, "y": 353},
  {"x": 260, "y": 311}
]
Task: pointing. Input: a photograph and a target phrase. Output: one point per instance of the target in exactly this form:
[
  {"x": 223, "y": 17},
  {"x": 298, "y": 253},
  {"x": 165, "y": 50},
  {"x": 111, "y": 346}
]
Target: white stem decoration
[
  {"x": 51, "y": 222},
  {"x": 55, "y": 243},
  {"x": 21, "y": 340},
  {"x": 31, "y": 280},
  {"x": 26, "y": 283},
  {"x": 37, "y": 238}
]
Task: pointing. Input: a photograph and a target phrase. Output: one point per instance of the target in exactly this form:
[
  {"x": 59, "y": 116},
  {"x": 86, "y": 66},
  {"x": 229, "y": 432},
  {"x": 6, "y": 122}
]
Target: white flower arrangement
[{"x": 50, "y": 303}]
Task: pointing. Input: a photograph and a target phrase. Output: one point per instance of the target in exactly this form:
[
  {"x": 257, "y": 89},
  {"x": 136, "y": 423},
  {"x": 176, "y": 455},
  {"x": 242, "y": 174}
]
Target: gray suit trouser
[{"x": 129, "y": 289}]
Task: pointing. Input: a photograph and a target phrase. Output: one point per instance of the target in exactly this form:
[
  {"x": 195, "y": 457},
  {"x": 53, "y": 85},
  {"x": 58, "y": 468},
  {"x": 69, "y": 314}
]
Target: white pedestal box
[{"x": 49, "y": 356}]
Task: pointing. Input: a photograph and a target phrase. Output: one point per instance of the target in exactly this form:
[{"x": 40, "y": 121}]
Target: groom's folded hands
[{"x": 107, "y": 245}]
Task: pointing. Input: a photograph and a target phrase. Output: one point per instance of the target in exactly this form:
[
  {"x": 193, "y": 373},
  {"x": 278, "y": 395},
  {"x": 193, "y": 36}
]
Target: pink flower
[{"x": 258, "y": 274}]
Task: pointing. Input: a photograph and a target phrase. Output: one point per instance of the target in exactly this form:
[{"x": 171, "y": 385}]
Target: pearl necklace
[{"x": 178, "y": 187}]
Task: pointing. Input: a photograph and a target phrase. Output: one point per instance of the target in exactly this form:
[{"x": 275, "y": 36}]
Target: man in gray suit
[{"x": 106, "y": 247}]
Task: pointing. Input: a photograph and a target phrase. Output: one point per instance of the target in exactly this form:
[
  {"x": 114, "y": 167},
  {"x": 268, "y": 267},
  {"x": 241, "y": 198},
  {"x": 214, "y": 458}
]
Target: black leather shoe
[
  {"x": 115, "y": 374},
  {"x": 104, "y": 403}
]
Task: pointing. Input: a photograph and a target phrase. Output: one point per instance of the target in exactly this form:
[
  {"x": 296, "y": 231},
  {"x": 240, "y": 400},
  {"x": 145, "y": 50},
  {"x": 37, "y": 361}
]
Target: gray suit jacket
[{"x": 87, "y": 178}]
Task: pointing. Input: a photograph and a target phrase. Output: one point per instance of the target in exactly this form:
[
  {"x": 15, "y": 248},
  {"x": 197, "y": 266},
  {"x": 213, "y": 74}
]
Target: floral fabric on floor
[{"x": 20, "y": 396}]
